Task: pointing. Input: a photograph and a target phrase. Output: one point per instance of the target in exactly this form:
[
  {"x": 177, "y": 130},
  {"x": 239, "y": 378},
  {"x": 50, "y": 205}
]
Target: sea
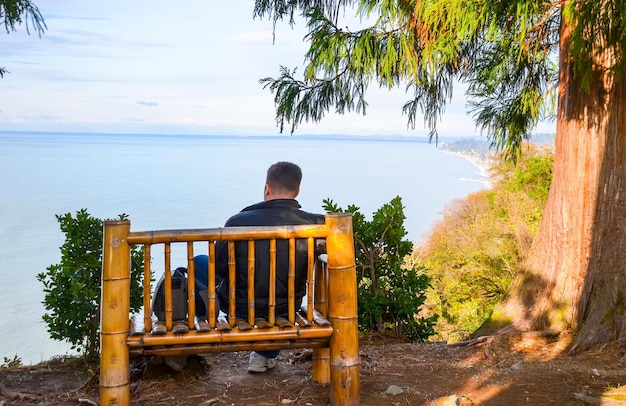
[{"x": 189, "y": 181}]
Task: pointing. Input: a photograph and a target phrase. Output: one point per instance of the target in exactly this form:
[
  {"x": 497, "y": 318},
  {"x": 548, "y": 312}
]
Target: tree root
[{"x": 472, "y": 342}]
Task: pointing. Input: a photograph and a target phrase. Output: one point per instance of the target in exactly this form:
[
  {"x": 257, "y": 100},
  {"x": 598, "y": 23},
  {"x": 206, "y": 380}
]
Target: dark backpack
[{"x": 179, "y": 296}]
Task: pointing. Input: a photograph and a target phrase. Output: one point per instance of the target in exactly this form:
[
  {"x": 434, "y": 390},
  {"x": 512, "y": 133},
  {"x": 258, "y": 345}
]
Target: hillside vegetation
[{"x": 475, "y": 250}]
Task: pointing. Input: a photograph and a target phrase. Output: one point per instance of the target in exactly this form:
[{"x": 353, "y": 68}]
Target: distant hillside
[
  {"x": 476, "y": 150},
  {"x": 479, "y": 149}
]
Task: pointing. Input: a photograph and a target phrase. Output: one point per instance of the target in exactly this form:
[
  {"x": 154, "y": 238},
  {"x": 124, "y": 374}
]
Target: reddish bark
[{"x": 576, "y": 277}]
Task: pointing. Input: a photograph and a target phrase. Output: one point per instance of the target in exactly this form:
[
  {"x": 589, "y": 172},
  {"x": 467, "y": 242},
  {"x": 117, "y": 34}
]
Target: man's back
[{"x": 267, "y": 213}]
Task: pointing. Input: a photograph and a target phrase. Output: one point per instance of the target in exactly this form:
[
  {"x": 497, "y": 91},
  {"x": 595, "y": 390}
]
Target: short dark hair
[{"x": 284, "y": 176}]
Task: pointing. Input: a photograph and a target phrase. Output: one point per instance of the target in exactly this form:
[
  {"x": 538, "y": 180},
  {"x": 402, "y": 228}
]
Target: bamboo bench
[{"x": 330, "y": 329}]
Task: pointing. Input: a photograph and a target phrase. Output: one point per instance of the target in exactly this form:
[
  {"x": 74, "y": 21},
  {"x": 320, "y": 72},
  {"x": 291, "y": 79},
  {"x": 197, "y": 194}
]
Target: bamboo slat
[
  {"x": 321, "y": 285},
  {"x": 232, "y": 288},
  {"x": 251, "y": 271},
  {"x": 229, "y": 347},
  {"x": 212, "y": 311},
  {"x": 234, "y": 335},
  {"x": 243, "y": 325},
  {"x": 203, "y": 326},
  {"x": 147, "y": 288},
  {"x": 223, "y": 324},
  {"x": 167, "y": 251},
  {"x": 283, "y": 322},
  {"x": 228, "y": 234},
  {"x": 191, "y": 287},
  {"x": 271, "y": 302},
  {"x": 314, "y": 317},
  {"x": 291, "y": 282},
  {"x": 321, "y": 356},
  {"x": 302, "y": 320},
  {"x": 310, "y": 274},
  {"x": 262, "y": 323}
]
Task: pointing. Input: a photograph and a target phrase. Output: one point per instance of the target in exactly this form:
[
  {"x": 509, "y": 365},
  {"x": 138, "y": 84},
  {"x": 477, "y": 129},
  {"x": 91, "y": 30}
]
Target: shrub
[
  {"x": 72, "y": 287},
  {"x": 390, "y": 291}
]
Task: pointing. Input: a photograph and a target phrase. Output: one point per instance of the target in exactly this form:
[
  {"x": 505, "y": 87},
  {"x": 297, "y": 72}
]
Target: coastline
[{"x": 483, "y": 163}]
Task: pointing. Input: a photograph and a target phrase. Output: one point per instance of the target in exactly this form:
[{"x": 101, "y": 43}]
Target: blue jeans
[
  {"x": 201, "y": 267},
  {"x": 269, "y": 354}
]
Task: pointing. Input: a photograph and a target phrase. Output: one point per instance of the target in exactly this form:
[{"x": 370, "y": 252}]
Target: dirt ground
[{"x": 527, "y": 369}]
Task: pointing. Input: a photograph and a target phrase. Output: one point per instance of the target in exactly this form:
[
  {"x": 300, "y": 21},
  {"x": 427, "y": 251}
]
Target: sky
[{"x": 163, "y": 67}]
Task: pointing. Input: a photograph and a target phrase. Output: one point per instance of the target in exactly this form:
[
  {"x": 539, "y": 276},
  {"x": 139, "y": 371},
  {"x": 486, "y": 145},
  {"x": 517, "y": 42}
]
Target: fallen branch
[{"x": 470, "y": 343}]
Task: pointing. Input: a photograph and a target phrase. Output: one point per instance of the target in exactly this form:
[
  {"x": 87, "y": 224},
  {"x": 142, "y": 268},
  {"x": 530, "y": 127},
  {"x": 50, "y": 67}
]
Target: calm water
[{"x": 165, "y": 182}]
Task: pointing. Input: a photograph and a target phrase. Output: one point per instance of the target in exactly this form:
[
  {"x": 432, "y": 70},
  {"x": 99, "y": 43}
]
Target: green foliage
[
  {"x": 474, "y": 252},
  {"x": 11, "y": 362},
  {"x": 390, "y": 290},
  {"x": 16, "y": 12},
  {"x": 532, "y": 176},
  {"x": 504, "y": 51},
  {"x": 73, "y": 286}
]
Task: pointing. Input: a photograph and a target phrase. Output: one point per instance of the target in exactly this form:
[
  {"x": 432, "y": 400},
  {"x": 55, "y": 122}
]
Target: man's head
[{"x": 282, "y": 181}]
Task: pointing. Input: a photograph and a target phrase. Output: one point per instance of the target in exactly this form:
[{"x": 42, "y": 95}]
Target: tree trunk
[{"x": 576, "y": 270}]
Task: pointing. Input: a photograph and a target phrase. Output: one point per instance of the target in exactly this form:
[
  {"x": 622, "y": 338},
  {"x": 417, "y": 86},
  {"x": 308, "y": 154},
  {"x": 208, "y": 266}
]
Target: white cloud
[
  {"x": 100, "y": 64},
  {"x": 147, "y": 103}
]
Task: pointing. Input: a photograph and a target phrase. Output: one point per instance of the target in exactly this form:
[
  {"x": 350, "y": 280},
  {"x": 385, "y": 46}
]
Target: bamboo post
[
  {"x": 291, "y": 282},
  {"x": 251, "y": 286},
  {"x": 147, "y": 288},
  {"x": 321, "y": 356},
  {"x": 114, "y": 315},
  {"x": 167, "y": 286},
  {"x": 212, "y": 311},
  {"x": 232, "y": 277},
  {"x": 191, "y": 287},
  {"x": 310, "y": 269},
  {"x": 271, "y": 303},
  {"x": 342, "y": 311}
]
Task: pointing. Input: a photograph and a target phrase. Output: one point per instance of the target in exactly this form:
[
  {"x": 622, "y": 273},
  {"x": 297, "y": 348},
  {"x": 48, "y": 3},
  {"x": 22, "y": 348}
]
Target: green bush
[
  {"x": 390, "y": 290},
  {"x": 72, "y": 287}
]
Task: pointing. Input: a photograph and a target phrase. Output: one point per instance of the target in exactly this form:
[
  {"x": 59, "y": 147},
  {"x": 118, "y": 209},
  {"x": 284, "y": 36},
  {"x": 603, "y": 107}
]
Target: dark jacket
[{"x": 271, "y": 213}]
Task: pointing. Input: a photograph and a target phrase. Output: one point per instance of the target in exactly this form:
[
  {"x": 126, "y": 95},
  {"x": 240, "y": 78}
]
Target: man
[{"x": 279, "y": 207}]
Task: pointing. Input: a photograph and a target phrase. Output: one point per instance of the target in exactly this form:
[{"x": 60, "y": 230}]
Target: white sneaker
[{"x": 258, "y": 363}]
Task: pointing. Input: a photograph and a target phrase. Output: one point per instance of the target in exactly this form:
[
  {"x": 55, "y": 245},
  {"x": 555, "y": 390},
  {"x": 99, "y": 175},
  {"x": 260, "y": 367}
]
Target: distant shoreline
[{"x": 482, "y": 164}]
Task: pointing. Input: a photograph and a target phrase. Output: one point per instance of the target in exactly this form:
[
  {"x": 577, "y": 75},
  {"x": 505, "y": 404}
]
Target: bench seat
[{"x": 297, "y": 336}]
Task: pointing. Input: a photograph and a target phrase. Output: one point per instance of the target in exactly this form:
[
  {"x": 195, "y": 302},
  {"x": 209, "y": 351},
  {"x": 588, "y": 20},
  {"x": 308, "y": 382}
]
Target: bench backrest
[{"x": 315, "y": 280}]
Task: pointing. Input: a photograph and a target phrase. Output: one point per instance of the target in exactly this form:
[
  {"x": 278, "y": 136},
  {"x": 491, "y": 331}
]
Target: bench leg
[
  {"x": 321, "y": 365},
  {"x": 345, "y": 385},
  {"x": 114, "y": 319},
  {"x": 342, "y": 312}
]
